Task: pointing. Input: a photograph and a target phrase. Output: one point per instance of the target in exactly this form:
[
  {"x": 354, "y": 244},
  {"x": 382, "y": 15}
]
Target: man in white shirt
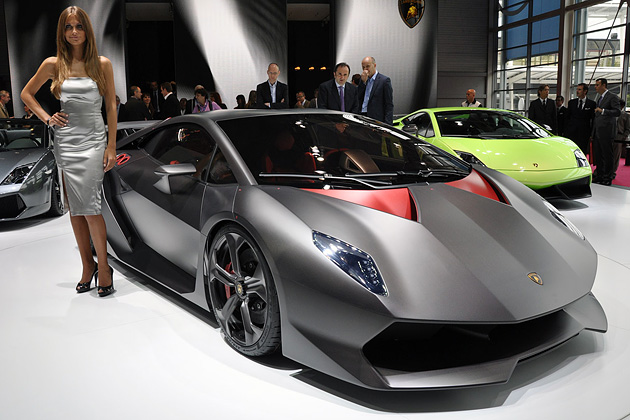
[{"x": 470, "y": 99}]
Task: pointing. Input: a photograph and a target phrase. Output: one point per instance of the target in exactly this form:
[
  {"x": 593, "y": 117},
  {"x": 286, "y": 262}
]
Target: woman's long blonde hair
[{"x": 64, "y": 53}]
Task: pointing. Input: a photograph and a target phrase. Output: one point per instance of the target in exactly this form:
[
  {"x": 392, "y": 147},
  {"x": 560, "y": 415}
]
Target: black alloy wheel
[
  {"x": 56, "y": 202},
  {"x": 242, "y": 293}
]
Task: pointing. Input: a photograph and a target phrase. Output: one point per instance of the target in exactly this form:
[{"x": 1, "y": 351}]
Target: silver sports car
[
  {"x": 352, "y": 247},
  {"x": 29, "y": 184}
]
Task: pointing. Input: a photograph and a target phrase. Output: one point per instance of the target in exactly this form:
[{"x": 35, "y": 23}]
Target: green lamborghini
[{"x": 553, "y": 166}]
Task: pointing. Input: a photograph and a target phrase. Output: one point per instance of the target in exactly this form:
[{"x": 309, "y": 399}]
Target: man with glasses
[{"x": 272, "y": 93}]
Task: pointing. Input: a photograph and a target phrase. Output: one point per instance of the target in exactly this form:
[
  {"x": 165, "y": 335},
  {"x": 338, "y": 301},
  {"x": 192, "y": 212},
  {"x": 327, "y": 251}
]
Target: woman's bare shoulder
[
  {"x": 48, "y": 66},
  {"x": 50, "y": 62},
  {"x": 105, "y": 62}
]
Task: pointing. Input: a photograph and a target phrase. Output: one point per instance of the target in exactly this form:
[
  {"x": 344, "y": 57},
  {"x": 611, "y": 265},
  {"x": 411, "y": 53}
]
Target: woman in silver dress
[{"x": 83, "y": 150}]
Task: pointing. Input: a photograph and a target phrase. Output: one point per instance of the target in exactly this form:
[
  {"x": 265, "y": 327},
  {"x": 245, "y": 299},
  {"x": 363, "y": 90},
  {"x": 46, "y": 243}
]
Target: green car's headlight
[
  {"x": 581, "y": 159},
  {"x": 469, "y": 158},
  {"x": 18, "y": 175},
  {"x": 562, "y": 219},
  {"x": 356, "y": 263}
]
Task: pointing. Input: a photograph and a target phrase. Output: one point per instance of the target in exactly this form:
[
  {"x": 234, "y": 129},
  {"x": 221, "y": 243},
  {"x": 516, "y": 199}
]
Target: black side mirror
[{"x": 411, "y": 129}]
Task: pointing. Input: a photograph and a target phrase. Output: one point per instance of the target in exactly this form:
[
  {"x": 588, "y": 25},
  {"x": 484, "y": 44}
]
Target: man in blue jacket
[{"x": 376, "y": 95}]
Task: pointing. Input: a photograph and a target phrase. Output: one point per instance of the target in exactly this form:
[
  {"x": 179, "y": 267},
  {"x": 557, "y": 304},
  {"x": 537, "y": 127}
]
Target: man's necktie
[
  {"x": 343, "y": 103},
  {"x": 366, "y": 99},
  {"x": 581, "y": 104}
]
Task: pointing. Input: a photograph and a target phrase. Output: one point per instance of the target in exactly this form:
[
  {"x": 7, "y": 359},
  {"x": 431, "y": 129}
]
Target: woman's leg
[
  {"x": 82, "y": 236},
  {"x": 98, "y": 232}
]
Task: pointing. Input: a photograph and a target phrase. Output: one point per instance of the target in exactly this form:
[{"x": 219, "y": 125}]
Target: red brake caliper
[{"x": 228, "y": 268}]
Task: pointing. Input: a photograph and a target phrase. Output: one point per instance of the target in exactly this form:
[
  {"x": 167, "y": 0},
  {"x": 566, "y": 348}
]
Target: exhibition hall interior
[{"x": 439, "y": 241}]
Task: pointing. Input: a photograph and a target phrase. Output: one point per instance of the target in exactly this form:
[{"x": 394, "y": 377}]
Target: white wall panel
[
  {"x": 407, "y": 55},
  {"x": 238, "y": 40}
]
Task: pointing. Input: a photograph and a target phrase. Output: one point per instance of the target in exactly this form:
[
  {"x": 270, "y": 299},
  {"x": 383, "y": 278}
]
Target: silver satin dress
[{"x": 80, "y": 146}]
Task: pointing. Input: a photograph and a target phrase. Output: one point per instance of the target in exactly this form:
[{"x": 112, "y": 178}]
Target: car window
[
  {"x": 182, "y": 144},
  {"x": 309, "y": 145},
  {"x": 422, "y": 120},
  {"x": 16, "y": 134},
  {"x": 487, "y": 124},
  {"x": 218, "y": 170}
]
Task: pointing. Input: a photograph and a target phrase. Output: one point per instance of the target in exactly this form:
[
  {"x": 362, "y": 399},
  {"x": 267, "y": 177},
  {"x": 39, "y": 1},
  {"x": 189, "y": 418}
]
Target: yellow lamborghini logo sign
[
  {"x": 535, "y": 278},
  {"x": 411, "y": 11}
]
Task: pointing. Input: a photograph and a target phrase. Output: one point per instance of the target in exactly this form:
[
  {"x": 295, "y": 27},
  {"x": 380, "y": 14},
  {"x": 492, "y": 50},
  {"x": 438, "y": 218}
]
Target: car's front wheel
[
  {"x": 56, "y": 201},
  {"x": 242, "y": 293}
]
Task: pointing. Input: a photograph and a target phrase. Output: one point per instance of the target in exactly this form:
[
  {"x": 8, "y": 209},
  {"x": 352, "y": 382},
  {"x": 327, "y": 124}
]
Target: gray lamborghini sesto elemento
[{"x": 358, "y": 250}]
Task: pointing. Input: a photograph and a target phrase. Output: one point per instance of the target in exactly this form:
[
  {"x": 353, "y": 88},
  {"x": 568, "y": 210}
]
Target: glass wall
[
  {"x": 529, "y": 40},
  {"x": 529, "y": 48},
  {"x": 598, "y": 46}
]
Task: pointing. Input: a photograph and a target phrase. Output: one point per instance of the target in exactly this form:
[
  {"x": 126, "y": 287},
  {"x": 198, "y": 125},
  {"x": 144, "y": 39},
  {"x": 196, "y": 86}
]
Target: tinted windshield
[
  {"x": 336, "y": 145},
  {"x": 17, "y": 134},
  {"x": 487, "y": 124}
]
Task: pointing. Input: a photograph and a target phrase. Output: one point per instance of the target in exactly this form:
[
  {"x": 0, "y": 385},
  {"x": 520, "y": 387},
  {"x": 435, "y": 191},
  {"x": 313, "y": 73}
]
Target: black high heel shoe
[
  {"x": 106, "y": 290},
  {"x": 84, "y": 287}
]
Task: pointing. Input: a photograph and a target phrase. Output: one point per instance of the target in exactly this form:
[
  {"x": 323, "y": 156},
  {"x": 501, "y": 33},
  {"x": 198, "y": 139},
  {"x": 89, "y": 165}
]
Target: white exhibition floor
[{"x": 144, "y": 354}]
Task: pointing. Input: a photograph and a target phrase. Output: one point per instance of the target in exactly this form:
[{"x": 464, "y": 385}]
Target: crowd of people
[
  {"x": 598, "y": 128},
  {"x": 369, "y": 93}
]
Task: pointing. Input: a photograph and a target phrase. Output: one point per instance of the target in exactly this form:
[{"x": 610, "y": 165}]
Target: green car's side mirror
[{"x": 410, "y": 128}]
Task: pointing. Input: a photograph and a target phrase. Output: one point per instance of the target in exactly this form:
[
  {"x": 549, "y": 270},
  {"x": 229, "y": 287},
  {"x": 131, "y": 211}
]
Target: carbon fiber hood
[{"x": 466, "y": 258}]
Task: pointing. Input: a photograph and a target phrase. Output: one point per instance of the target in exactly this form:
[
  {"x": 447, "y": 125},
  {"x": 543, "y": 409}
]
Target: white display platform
[{"x": 142, "y": 353}]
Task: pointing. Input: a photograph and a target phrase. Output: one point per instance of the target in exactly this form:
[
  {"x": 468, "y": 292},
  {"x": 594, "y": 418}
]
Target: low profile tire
[
  {"x": 242, "y": 293},
  {"x": 56, "y": 202}
]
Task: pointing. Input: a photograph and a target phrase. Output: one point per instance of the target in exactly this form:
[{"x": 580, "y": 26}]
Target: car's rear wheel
[
  {"x": 242, "y": 293},
  {"x": 56, "y": 202}
]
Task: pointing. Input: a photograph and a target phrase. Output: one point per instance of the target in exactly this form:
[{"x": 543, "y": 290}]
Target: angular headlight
[
  {"x": 18, "y": 175},
  {"x": 562, "y": 219},
  {"x": 469, "y": 158},
  {"x": 357, "y": 264},
  {"x": 580, "y": 158}
]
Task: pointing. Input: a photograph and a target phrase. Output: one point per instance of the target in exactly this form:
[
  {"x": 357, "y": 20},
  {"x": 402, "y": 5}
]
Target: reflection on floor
[{"x": 142, "y": 353}]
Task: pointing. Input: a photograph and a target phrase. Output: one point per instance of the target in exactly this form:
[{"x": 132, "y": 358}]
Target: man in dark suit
[
  {"x": 313, "y": 102},
  {"x": 543, "y": 110},
  {"x": 578, "y": 119},
  {"x": 376, "y": 95},
  {"x": 561, "y": 112},
  {"x": 272, "y": 93},
  {"x": 604, "y": 131},
  {"x": 170, "y": 107},
  {"x": 156, "y": 98},
  {"x": 331, "y": 92},
  {"x": 135, "y": 109}
]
